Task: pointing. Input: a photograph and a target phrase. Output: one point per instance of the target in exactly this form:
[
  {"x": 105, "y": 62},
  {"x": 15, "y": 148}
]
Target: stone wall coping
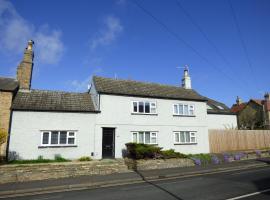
[{"x": 93, "y": 162}]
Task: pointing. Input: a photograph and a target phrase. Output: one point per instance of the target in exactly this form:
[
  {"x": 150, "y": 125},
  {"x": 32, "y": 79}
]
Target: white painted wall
[
  {"x": 217, "y": 121},
  {"x": 116, "y": 112},
  {"x": 25, "y": 136}
]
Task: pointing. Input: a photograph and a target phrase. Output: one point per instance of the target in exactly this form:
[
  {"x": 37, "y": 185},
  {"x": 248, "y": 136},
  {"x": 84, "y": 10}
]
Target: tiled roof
[
  {"x": 142, "y": 89},
  {"x": 237, "y": 108},
  {"x": 217, "y": 107},
  {"x": 8, "y": 84},
  {"x": 44, "y": 100}
]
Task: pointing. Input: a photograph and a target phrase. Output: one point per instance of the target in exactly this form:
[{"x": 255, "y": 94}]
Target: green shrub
[
  {"x": 59, "y": 158},
  {"x": 3, "y": 136},
  {"x": 40, "y": 159},
  {"x": 85, "y": 158},
  {"x": 172, "y": 154},
  {"x": 142, "y": 151},
  {"x": 205, "y": 158}
]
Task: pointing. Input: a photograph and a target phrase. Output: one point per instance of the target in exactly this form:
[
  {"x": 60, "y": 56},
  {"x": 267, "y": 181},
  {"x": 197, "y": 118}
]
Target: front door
[{"x": 108, "y": 143}]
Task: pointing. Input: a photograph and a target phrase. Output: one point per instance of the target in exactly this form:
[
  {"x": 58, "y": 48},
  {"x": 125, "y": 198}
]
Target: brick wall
[{"x": 5, "y": 104}]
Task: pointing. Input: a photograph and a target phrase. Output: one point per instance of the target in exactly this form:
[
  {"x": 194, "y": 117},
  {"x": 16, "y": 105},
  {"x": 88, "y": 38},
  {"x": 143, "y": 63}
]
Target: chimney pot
[
  {"x": 30, "y": 45},
  {"x": 267, "y": 96},
  {"x": 238, "y": 100}
]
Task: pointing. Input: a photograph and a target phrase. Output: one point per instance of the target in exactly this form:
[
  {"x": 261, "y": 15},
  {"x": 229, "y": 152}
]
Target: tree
[
  {"x": 251, "y": 117},
  {"x": 3, "y": 136}
]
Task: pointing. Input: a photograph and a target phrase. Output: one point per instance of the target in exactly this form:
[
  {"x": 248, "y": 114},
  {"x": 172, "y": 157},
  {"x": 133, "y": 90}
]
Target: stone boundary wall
[
  {"x": 158, "y": 163},
  {"x": 31, "y": 172}
]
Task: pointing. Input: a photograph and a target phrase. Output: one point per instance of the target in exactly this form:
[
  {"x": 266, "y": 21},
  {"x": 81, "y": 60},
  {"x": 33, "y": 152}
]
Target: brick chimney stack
[
  {"x": 24, "y": 70},
  {"x": 267, "y": 110}
]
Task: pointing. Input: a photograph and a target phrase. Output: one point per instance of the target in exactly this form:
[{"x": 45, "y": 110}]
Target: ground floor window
[
  {"x": 145, "y": 137},
  {"x": 58, "y": 138},
  {"x": 185, "y": 137}
]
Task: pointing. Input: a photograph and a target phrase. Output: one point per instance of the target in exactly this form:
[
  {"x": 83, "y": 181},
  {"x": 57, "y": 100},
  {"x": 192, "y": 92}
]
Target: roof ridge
[
  {"x": 57, "y": 91},
  {"x": 144, "y": 82}
]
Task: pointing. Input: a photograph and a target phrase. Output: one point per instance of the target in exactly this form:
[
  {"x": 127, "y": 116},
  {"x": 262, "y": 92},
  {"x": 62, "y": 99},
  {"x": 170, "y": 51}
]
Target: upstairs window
[
  {"x": 183, "y": 109},
  {"x": 58, "y": 138},
  {"x": 144, "y": 107}
]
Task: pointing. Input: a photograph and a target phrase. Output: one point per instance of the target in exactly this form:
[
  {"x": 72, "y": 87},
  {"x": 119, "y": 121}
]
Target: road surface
[{"x": 245, "y": 184}]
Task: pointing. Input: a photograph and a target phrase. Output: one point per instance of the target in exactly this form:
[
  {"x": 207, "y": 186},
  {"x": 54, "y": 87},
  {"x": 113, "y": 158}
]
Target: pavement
[{"x": 124, "y": 179}]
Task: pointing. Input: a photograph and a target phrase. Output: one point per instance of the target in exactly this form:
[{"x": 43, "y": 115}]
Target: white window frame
[
  {"x": 152, "y": 105},
  {"x": 58, "y": 138},
  {"x": 153, "y": 135},
  {"x": 191, "y": 107},
  {"x": 192, "y": 134}
]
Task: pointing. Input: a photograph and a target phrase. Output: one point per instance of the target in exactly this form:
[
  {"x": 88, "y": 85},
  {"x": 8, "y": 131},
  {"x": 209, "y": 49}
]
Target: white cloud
[
  {"x": 109, "y": 33},
  {"x": 15, "y": 31},
  {"x": 50, "y": 47},
  {"x": 81, "y": 86}
]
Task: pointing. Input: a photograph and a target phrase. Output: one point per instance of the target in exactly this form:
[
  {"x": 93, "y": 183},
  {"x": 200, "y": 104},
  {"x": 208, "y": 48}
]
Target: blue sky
[{"x": 77, "y": 39}]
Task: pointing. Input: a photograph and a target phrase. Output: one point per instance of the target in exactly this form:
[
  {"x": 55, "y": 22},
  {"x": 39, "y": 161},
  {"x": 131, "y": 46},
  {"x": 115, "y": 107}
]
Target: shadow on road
[{"x": 157, "y": 186}]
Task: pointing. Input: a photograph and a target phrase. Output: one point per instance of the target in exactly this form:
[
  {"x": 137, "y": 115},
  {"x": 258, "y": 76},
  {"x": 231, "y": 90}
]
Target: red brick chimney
[{"x": 24, "y": 70}]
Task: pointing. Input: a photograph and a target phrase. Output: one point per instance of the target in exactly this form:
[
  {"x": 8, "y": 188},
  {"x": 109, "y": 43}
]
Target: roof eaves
[{"x": 152, "y": 97}]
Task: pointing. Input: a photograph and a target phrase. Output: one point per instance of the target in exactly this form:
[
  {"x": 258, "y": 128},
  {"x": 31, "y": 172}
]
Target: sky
[{"x": 225, "y": 43}]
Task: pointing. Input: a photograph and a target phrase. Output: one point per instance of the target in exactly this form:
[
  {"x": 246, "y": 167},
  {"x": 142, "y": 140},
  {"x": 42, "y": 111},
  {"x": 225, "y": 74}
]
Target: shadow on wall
[{"x": 13, "y": 155}]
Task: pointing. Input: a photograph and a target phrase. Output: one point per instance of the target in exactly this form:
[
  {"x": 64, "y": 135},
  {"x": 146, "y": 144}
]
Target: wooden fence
[{"x": 238, "y": 140}]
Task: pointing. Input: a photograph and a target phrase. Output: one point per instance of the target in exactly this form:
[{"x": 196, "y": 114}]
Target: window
[
  {"x": 146, "y": 137},
  {"x": 58, "y": 138},
  {"x": 184, "y": 137},
  {"x": 144, "y": 107},
  {"x": 220, "y": 107},
  {"x": 183, "y": 109}
]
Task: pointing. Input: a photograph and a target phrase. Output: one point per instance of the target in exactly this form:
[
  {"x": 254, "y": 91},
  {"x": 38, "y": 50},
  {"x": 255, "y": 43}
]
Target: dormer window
[
  {"x": 144, "y": 107},
  {"x": 183, "y": 109},
  {"x": 220, "y": 107}
]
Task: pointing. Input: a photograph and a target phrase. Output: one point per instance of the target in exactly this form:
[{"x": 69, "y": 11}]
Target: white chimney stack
[{"x": 186, "y": 80}]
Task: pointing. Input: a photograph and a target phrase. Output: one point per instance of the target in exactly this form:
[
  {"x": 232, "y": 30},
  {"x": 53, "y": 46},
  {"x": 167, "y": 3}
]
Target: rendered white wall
[
  {"x": 217, "y": 121},
  {"x": 25, "y": 136},
  {"x": 116, "y": 113}
]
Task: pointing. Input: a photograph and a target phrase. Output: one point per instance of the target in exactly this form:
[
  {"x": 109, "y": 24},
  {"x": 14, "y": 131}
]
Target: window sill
[
  {"x": 154, "y": 114},
  {"x": 184, "y": 115},
  {"x": 57, "y": 146},
  {"x": 195, "y": 143}
]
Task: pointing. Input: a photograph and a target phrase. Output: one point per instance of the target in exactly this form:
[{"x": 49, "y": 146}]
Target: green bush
[
  {"x": 142, "y": 151},
  {"x": 172, "y": 154},
  {"x": 85, "y": 158},
  {"x": 204, "y": 157},
  {"x": 59, "y": 158},
  {"x": 40, "y": 159},
  {"x": 3, "y": 136}
]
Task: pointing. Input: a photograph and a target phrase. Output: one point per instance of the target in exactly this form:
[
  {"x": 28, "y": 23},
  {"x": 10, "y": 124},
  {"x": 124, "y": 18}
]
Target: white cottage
[{"x": 113, "y": 112}]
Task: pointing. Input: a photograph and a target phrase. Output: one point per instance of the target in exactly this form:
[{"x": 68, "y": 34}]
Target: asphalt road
[{"x": 246, "y": 184}]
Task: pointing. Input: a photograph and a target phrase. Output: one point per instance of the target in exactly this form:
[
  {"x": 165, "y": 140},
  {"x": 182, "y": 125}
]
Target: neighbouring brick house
[
  {"x": 254, "y": 114},
  {"x": 10, "y": 86}
]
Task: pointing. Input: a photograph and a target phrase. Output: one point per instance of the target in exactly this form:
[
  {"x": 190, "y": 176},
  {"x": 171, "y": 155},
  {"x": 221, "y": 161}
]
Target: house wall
[
  {"x": 25, "y": 136},
  {"x": 116, "y": 113},
  {"x": 219, "y": 121},
  {"x": 5, "y": 104}
]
